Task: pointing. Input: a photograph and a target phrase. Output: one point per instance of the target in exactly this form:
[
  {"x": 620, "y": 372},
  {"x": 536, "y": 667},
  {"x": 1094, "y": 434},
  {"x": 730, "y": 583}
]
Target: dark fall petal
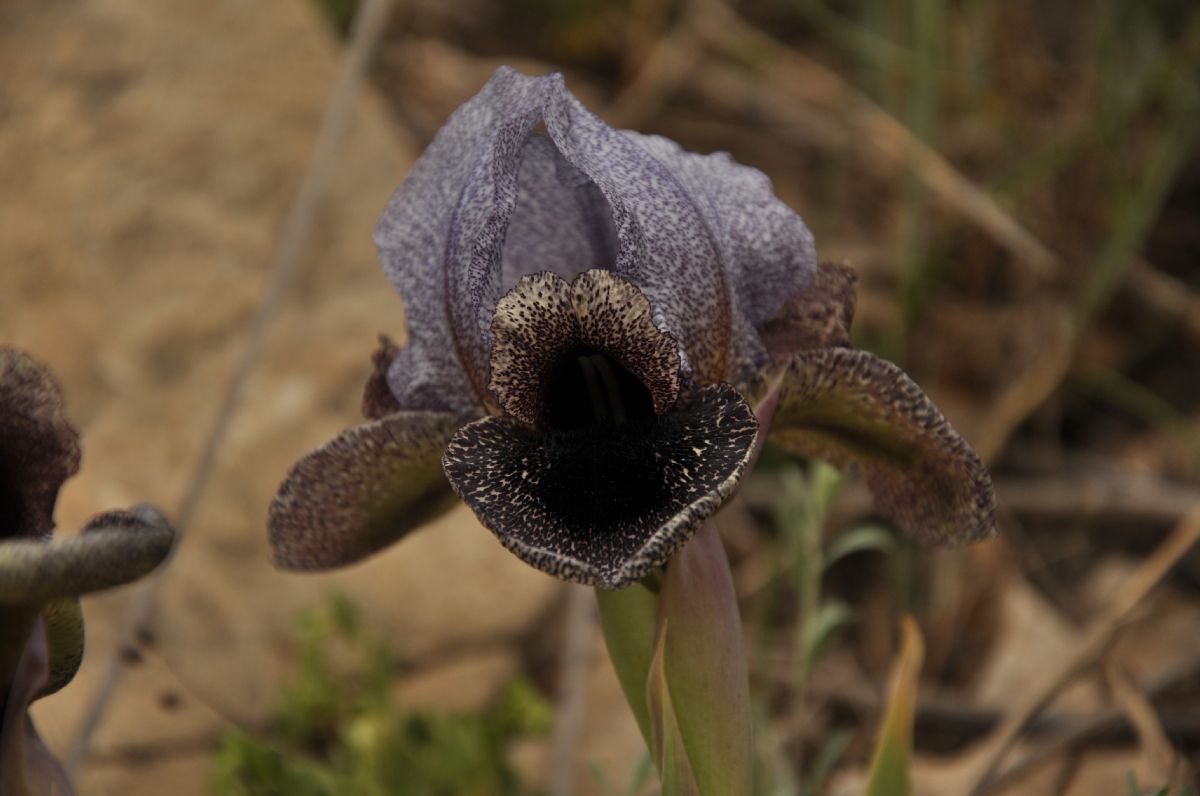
[
  {"x": 26, "y": 765},
  {"x": 852, "y": 408},
  {"x": 63, "y": 622},
  {"x": 361, "y": 491},
  {"x": 114, "y": 548},
  {"x": 543, "y": 318},
  {"x": 378, "y": 400},
  {"x": 818, "y": 317},
  {"x": 38, "y": 448},
  {"x": 600, "y": 505}
]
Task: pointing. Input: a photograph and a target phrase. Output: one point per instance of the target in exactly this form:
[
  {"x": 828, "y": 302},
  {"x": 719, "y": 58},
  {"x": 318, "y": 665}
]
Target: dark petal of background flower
[
  {"x": 114, "y": 548},
  {"x": 39, "y": 449},
  {"x": 851, "y": 408},
  {"x": 63, "y": 623},
  {"x": 603, "y": 506},
  {"x": 362, "y": 491},
  {"x": 26, "y": 765}
]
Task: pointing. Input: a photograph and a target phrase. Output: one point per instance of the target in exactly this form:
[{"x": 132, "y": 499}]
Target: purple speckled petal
[
  {"x": 767, "y": 251},
  {"x": 561, "y": 222},
  {"x": 415, "y": 230},
  {"x": 494, "y": 199}
]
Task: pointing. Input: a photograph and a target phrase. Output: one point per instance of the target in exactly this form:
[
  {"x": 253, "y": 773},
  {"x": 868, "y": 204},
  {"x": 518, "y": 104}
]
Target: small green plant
[
  {"x": 1135, "y": 790},
  {"x": 337, "y": 731}
]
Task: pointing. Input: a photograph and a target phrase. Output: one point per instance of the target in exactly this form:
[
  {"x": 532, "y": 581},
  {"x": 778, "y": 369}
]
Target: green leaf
[
  {"x": 831, "y": 618},
  {"x": 628, "y": 617},
  {"x": 892, "y": 761},
  {"x": 666, "y": 738},
  {"x": 705, "y": 665},
  {"x": 858, "y": 540}
]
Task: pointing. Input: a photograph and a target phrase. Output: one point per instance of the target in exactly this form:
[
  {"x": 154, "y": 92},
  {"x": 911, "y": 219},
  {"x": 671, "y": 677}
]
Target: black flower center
[
  {"x": 589, "y": 388},
  {"x": 12, "y": 502}
]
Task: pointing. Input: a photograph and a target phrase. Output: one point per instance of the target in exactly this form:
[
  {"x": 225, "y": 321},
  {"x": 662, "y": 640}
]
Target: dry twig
[
  {"x": 1100, "y": 634},
  {"x": 368, "y": 28},
  {"x": 576, "y": 660}
]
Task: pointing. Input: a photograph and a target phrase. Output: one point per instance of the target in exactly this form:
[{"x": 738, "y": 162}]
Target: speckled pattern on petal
[
  {"x": 819, "y": 317},
  {"x": 413, "y": 235},
  {"x": 361, "y": 491},
  {"x": 766, "y": 249},
  {"x": 852, "y": 408},
  {"x": 493, "y": 199},
  {"x": 543, "y": 317},
  {"x": 39, "y": 449},
  {"x": 602, "y": 506}
]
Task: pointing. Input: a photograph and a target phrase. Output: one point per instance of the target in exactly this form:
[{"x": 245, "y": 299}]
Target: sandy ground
[{"x": 150, "y": 153}]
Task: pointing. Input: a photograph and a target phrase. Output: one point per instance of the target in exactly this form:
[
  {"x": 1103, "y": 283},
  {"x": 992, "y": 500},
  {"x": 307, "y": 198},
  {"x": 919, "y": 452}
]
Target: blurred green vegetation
[{"x": 337, "y": 731}]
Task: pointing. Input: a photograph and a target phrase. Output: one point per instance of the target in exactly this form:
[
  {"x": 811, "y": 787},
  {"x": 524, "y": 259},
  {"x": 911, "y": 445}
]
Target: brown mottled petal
[
  {"x": 817, "y": 317},
  {"x": 114, "y": 548},
  {"x": 26, "y": 765},
  {"x": 850, "y": 407},
  {"x": 361, "y": 491},
  {"x": 603, "y": 506},
  {"x": 63, "y": 621},
  {"x": 38, "y": 447},
  {"x": 378, "y": 400},
  {"x": 543, "y": 317}
]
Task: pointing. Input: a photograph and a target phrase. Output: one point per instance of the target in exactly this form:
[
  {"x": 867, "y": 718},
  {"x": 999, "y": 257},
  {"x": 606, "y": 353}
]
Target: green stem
[{"x": 628, "y": 619}]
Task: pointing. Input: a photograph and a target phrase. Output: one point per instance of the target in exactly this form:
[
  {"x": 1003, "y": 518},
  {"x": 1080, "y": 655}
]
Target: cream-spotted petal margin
[{"x": 603, "y": 510}]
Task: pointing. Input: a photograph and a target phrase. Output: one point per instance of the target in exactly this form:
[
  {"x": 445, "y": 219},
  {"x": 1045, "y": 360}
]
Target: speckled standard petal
[
  {"x": 603, "y": 506},
  {"x": 38, "y": 447},
  {"x": 560, "y": 223},
  {"x": 543, "y": 318},
  {"x": 818, "y": 317},
  {"x": 114, "y": 548},
  {"x": 852, "y": 408},
  {"x": 415, "y": 230},
  {"x": 494, "y": 199},
  {"x": 665, "y": 248},
  {"x": 765, "y": 248},
  {"x": 361, "y": 491}
]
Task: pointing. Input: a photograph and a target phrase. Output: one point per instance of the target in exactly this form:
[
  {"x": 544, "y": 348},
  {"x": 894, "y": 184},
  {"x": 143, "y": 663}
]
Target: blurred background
[{"x": 1017, "y": 184}]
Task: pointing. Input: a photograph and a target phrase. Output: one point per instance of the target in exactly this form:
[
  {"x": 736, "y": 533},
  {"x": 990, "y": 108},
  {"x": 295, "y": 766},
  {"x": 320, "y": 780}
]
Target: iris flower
[
  {"x": 41, "y": 578},
  {"x": 602, "y": 331}
]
